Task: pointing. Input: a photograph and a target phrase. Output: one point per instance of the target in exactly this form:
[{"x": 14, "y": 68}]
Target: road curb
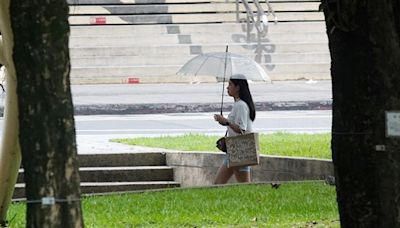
[{"x": 124, "y": 109}]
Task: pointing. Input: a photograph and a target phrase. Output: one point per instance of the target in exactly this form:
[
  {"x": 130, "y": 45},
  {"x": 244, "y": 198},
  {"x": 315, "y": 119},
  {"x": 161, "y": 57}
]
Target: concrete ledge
[
  {"x": 121, "y": 174},
  {"x": 110, "y": 109},
  {"x": 108, "y": 187},
  {"x": 125, "y": 109},
  {"x": 199, "y": 169}
]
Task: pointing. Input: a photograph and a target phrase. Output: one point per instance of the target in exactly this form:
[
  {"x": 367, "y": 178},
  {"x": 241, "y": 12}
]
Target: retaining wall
[{"x": 200, "y": 168}]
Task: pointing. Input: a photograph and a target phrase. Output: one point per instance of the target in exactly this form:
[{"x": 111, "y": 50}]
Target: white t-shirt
[{"x": 240, "y": 115}]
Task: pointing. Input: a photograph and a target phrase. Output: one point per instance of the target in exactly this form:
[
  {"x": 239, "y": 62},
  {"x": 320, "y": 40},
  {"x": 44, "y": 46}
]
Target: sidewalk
[
  {"x": 100, "y": 144},
  {"x": 206, "y": 97}
]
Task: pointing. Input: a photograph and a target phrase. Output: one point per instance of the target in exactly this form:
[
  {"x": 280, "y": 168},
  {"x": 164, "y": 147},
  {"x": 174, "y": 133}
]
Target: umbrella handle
[{"x": 222, "y": 95}]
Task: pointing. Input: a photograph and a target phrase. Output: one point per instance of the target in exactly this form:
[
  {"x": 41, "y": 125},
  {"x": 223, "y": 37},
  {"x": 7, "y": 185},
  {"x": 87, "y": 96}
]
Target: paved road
[
  {"x": 121, "y": 99},
  {"x": 197, "y": 93},
  {"x": 173, "y": 98},
  {"x": 181, "y": 123}
]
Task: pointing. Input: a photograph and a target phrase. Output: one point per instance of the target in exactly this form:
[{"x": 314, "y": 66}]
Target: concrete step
[
  {"x": 165, "y": 73},
  {"x": 126, "y": 159},
  {"x": 124, "y": 41},
  {"x": 106, "y": 187},
  {"x": 154, "y": 30},
  {"x": 186, "y": 18},
  {"x": 274, "y": 58},
  {"x": 159, "y": 70},
  {"x": 191, "y": 49},
  {"x": 158, "y": 50},
  {"x": 88, "y": 188},
  {"x": 179, "y": 79},
  {"x": 127, "y": 174},
  {"x": 129, "y": 9},
  {"x": 289, "y": 27},
  {"x": 297, "y": 68},
  {"x": 199, "y": 38},
  {"x": 117, "y": 30},
  {"x": 143, "y": 79},
  {"x": 194, "y": 38},
  {"x": 151, "y": 9},
  {"x": 99, "y": 2},
  {"x": 120, "y": 174},
  {"x": 278, "y": 47},
  {"x": 101, "y": 173}
]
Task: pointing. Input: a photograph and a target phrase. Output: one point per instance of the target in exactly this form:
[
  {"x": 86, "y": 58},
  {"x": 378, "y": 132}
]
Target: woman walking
[{"x": 240, "y": 120}]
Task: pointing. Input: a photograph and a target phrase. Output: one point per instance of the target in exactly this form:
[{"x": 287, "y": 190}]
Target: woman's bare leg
[
  {"x": 241, "y": 176},
  {"x": 223, "y": 175}
]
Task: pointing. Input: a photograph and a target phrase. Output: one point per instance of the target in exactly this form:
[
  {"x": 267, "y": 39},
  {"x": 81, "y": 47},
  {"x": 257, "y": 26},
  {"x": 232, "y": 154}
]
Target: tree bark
[
  {"x": 364, "y": 41},
  {"x": 47, "y": 128}
]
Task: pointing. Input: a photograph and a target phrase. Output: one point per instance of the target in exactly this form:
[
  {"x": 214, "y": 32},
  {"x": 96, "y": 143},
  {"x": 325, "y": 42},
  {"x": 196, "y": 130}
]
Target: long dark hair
[{"x": 245, "y": 95}]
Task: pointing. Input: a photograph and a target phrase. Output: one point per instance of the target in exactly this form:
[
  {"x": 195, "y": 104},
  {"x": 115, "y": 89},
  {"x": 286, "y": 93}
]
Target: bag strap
[{"x": 241, "y": 132}]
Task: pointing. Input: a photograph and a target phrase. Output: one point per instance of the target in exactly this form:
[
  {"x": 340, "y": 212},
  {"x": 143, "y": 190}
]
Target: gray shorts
[{"x": 241, "y": 168}]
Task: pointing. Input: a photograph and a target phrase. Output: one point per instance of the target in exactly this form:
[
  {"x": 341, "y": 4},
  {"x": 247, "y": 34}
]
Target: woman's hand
[
  {"x": 224, "y": 122},
  {"x": 221, "y": 119}
]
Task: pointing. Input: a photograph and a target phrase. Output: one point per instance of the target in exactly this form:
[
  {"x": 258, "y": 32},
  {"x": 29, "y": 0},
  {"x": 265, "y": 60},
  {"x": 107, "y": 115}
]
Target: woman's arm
[
  {"x": 225, "y": 122},
  {"x": 235, "y": 127}
]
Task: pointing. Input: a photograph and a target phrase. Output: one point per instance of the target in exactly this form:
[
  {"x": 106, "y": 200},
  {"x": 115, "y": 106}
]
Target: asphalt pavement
[{"x": 204, "y": 97}]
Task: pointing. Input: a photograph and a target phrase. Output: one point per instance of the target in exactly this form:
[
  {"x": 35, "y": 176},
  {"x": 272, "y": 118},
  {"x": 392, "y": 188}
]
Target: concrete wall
[{"x": 199, "y": 169}]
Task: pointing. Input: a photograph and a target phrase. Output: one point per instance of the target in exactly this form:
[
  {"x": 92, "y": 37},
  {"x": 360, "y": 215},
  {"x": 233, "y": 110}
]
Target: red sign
[
  {"x": 133, "y": 80},
  {"x": 98, "y": 20}
]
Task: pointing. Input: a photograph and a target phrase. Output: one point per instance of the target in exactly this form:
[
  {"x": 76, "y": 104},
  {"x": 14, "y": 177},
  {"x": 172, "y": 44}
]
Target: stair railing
[{"x": 259, "y": 20}]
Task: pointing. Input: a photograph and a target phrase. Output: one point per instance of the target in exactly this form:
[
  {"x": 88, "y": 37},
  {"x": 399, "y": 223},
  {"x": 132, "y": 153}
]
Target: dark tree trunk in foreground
[
  {"x": 47, "y": 128},
  {"x": 364, "y": 41}
]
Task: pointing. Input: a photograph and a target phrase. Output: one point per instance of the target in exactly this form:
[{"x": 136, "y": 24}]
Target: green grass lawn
[
  {"x": 309, "y": 204},
  {"x": 282, "y": 144}
]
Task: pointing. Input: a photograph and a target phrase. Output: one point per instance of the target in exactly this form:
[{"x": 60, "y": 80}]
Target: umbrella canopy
[{"x": 213, "y": 64}]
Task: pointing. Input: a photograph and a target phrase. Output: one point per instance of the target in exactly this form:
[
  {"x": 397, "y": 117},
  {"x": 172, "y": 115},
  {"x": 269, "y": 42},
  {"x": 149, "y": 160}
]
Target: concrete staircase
[
  {"x": 85, "y": 12},
  {"x": 147, "y": 41},
  {"x": 102, "y": 173}
]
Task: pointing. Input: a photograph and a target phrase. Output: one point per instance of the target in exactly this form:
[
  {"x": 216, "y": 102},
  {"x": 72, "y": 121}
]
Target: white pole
[{"x": 10, "y": 153}]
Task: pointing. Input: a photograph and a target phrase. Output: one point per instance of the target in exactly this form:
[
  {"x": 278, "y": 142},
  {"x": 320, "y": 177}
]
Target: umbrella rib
[
  {"x": 224, "y": 65},
  {"x": 201, "y": 66}
]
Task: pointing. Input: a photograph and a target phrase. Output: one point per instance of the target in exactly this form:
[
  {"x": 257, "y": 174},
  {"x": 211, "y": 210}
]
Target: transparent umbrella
[
  {"x": 224, "y": 65},
  {"x": 213, "y": 64}
]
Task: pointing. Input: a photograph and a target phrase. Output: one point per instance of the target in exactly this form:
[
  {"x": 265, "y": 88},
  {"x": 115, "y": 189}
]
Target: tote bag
[{"x": 243, "y": 150}]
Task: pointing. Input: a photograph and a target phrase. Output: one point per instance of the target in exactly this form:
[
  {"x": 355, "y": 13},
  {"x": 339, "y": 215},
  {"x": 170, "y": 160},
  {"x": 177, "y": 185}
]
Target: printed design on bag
[
  {"x": 243, "y": 150},
  {"x": 239, "y": 151}
]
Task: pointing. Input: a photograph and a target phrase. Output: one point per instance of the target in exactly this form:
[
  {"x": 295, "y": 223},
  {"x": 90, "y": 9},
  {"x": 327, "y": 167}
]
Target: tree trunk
[
  {"x": 47, "y": 128},
  {"x": 364, "y": 41}
]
